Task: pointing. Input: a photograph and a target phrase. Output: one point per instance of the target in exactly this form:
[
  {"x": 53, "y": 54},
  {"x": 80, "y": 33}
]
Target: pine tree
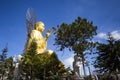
[
  {"x": 76, "y": 36},
  {"x": 39, "y": 66},
  {"x": 3, "y": 57},
  {"x": 108, "y": 59}
]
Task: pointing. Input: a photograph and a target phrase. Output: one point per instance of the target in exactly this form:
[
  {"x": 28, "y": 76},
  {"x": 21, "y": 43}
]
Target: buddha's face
[{"x": 40, "y": 26}]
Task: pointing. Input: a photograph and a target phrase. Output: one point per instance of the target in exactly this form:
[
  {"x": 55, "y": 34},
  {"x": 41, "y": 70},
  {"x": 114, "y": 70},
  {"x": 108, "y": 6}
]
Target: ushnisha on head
[{"x": 39, "y": 26}]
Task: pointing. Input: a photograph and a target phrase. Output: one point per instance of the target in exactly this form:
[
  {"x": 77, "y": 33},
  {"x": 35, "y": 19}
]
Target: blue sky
[{"x": 104, "y": 13}]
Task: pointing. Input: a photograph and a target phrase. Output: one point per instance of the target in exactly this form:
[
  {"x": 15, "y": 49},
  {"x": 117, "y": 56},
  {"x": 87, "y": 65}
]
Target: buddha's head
[{"x": 39, "y": 26}]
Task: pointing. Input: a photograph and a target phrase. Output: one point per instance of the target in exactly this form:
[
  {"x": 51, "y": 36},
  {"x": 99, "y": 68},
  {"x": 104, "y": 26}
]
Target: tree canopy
[
  {"x": 108, "y": 59},
  {"x": 40, "y": 66},
  {"x": 6, "y": 65},
  {"x": 75, "y": 36}
]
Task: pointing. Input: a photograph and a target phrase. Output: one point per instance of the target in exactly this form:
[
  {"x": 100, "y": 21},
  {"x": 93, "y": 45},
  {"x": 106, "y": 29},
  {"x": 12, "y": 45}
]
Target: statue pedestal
[{"x": 77, "y": 77}]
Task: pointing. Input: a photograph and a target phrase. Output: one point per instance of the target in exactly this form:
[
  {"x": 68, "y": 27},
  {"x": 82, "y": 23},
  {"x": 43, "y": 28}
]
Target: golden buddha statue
[{"x": 41, "y": 41}]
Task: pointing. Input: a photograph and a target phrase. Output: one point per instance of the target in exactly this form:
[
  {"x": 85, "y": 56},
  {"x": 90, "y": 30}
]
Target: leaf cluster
[
  {"x": 75, "y": 36},
  {"x": 6, "y": 64},
  {"x": 108, "y": 59},
  {"x": 39, "y": 66}
]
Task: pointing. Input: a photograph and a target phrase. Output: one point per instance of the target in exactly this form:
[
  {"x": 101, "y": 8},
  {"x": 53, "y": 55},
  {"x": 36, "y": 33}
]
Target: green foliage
[
  {"x": 39, "y": 66},
  {"x": 6, "y": 64},
  {"x": 75, "y": 36},
  {"x": 2, "y": 62},
  {"x": 27, "y": 64},
  {"x": 9, "y": 67},
  {"x": 108, "y": 59},
  {"x": 3, "y": 55}
]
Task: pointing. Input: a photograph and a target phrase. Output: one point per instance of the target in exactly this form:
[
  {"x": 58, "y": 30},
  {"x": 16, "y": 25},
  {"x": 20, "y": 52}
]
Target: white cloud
[
  {"x": 116, "y": 34},
  {"x": 102, "y": 35},
  {"x": 69, "y": 62}
]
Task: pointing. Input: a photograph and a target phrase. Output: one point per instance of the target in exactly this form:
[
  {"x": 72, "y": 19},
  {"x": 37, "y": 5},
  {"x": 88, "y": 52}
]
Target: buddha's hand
[{"x": 48, "y": 33}]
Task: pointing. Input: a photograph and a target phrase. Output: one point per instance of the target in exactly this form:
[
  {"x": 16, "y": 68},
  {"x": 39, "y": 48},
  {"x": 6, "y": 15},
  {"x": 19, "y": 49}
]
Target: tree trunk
[
  {"x": 116, "y": 76},
  {"x": 44, "y": 73},
  {"x": 90, "y": 72},
  {"x": 83, "y": 66},
  {"x": 31, "y": 74},
  {"x": 2, "y": 76}
]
